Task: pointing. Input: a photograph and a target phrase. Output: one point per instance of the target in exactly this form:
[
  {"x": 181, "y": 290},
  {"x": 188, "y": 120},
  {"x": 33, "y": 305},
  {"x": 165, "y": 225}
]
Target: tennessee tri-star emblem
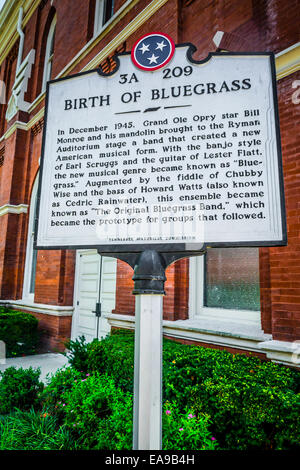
[{"x": 152, "y": 51}]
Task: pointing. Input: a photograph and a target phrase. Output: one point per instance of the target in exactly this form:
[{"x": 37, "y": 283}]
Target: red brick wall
[
  {"x": 70, "y": 35},
  {"x": 265, "y": 290},
  {"x": 54, "y": 331},
  {"x": 13, "y": 182},
  {"x": 249, "y": 25},
  {"x": 125, "y": 303},
  {"x": 8, "y": 71},
  {"x": 201, "y": 20},
  {"x": 285, "y": 262},
  {"x": 54, "y": 277},
  {"x": 177, "y": 291},
  {"x": 219, "y": 347},
  {"x": 280, "y": 267},
  {"x": 175, "y": 304}
]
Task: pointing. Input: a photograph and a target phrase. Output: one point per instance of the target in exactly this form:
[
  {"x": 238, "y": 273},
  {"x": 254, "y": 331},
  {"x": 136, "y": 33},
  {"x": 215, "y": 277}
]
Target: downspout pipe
[{"x": 21, "y": 34}]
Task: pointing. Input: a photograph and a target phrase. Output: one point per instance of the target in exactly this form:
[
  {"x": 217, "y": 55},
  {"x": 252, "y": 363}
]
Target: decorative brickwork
[
  {"x": 2, "y": 152},
  {"x": 38, "y": 127},
  {"x": 109, "y": 64}
]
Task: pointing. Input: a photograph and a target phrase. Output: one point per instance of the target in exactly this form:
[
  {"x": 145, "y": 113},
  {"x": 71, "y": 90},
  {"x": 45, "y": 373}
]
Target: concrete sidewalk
[{"x": 48, "y": 363}]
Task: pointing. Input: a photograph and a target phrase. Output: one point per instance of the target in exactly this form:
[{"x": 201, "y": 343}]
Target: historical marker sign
[{"x": 173, "y": 156}]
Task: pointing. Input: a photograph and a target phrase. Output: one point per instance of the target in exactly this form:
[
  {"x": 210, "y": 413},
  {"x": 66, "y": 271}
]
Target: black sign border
[{"x": 187, "y": 248}]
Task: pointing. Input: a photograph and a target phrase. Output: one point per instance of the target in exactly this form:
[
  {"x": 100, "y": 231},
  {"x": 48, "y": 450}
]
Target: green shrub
[
  {"x": 19, "y": 332},
  {"x": 31, "y": 430},
  {"x": 114, "y": 355},
  {"x": 77, "y": 353},
  {"x": 252, "y": 404},
  {"x": 57, "y": 385},
  {"x": 249, "y": 415},
  {"x": 186, "y": 431},
  {"x": 186, "y": 366},
  {"x": 19, "y": 388},
  {"x": 98, "y": 413}
]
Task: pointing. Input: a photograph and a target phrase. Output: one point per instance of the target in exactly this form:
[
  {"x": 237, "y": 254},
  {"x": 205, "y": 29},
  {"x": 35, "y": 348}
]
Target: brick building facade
[{"x": 244, "y": 299}]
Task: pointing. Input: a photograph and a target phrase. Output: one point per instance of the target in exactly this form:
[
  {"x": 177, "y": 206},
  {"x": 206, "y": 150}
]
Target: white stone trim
[
  {"x": 205, "y": 332},
  {"x": 23, "y": 74},
  {"x": 98, "y": 17},
  {"x": 48, "y": 56},
  {"x": 282, "y": 352},
  {"x": 218, "y": 38},
  {"x": 288, "y": 49},
  {"x": 208, "y": 334},
  {"x": 16, "y": 125},
  {"x": 121, "y": 321},
  {"x": 56, "y": 310},
  {"x": 288, "y": 61},
  {"x": 11, "y": 209}
]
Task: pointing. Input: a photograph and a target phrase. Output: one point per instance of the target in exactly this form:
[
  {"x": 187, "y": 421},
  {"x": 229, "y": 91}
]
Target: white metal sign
[{"x": 182, "y": 155}]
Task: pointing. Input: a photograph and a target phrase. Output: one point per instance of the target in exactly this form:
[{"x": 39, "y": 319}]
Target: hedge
[
  {"x": 18, "y": 330},
  {"x": 19, "y": 388},
  {"x": 252, "y": 404},
  {"x": 77, "y": 411}
]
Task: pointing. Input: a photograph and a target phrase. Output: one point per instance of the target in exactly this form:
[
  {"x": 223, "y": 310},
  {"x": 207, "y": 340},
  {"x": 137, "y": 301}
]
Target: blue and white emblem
[{"x": 153, "y": 51}]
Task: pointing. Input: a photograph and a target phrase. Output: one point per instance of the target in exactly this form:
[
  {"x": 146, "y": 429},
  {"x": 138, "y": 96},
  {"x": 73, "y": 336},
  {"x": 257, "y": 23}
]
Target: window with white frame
[
  {"x": 104, "y": 10},
  {"x": 49, "y": 54},
  {"x": 224, "y": 285},
  {"x": 31, "y": 253}
]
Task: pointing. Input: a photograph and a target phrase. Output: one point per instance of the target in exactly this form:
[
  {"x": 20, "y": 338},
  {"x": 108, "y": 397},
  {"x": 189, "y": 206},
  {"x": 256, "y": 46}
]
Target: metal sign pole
[
  {"x": 98, "y": 304},
  {"x": 149, "y": 277}
]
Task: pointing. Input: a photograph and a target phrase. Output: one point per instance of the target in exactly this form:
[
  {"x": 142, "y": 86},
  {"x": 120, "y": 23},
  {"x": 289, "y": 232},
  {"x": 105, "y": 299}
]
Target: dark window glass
[
  {"x": 232, "y": 278},
  {"x": 108, "y": 10}
]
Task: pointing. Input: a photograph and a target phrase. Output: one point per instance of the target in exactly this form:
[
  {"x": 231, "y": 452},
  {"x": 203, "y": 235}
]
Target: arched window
[
  {"x": 31, "y": 253},
  {"x": 49, "y": 54}
]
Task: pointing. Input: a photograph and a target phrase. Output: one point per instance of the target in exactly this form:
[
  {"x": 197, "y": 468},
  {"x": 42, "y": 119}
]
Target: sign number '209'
[{"x": 167, "y": 73}]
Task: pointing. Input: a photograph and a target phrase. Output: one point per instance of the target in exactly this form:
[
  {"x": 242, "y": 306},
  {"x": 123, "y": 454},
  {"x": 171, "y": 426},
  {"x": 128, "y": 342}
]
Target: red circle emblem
[{"x": 152, "y": 51}]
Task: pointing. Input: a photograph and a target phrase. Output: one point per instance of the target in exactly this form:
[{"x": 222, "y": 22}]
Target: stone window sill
[{"x": 30, "y": 306}]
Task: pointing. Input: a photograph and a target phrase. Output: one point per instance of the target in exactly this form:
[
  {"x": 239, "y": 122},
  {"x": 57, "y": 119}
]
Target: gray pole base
[
  {"x": 147, "y": 427},
  {"x": 149, "y": 278}
]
